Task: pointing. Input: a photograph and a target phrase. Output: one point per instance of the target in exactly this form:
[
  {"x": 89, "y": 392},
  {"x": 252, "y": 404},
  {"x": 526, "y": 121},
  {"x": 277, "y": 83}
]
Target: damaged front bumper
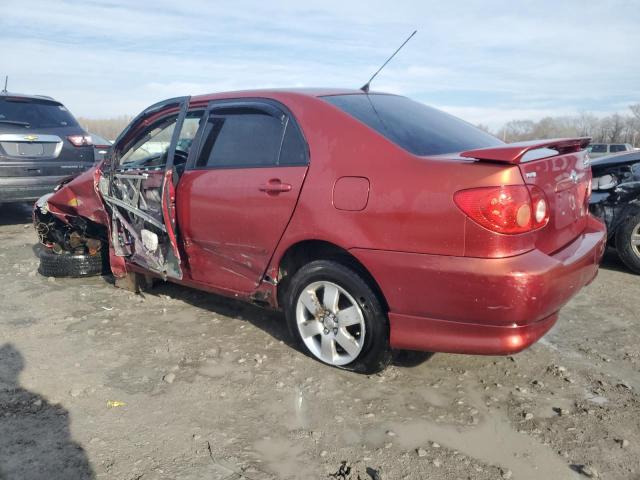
[{"x": 69, "y": 220}]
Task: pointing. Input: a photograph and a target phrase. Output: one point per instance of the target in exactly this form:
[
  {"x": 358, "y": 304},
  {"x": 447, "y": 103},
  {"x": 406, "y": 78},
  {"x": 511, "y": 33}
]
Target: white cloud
[{"x": 487, "y": 61}]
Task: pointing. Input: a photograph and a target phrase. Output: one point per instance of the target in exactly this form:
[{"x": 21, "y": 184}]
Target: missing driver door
[{"x": 141, "y": 193}]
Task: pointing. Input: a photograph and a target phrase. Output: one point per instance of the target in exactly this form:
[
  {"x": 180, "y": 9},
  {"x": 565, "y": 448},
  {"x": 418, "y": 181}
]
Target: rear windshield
[
  {"x": 419, "y": 129},
  {"x": 31, "y": 113}
]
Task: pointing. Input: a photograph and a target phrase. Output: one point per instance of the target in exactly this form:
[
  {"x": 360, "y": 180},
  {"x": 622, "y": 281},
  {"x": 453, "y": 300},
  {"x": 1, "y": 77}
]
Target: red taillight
[
  {"x": 80, "y": 140},
  {"x": 509, "y": 209}
]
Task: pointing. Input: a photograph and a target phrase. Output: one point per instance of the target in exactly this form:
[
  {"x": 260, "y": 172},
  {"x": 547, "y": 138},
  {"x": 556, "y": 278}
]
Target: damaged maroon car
[{"x": 373, "y": 221}]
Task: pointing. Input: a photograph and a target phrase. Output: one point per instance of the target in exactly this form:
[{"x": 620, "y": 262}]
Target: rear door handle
[{"x": 275, "y": 186}]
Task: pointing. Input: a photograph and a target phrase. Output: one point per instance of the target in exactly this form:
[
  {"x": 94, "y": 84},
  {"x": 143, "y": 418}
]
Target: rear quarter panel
[{"x": 410, "y": 206}]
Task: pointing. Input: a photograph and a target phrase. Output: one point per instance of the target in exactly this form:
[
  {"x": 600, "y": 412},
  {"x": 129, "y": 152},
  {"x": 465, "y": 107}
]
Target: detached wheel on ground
[
  {"x": 338, "y": 319},
  {"x": 72, "y": 264},
  {"x": 628, "y": 242}
]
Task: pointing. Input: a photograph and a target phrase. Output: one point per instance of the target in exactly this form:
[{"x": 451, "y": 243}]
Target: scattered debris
[
  {"x": 374, "y": 474},
  {"x": 562, "y": 412},
  {"x": 343, "y": 472},
  {"x": 506, "y": 473},
  {"x": 115, "y": 403},
  {"x": 624, "y": 443},
  {"x": 589, "y": 472},
  {"x": 348, "y": 472}
]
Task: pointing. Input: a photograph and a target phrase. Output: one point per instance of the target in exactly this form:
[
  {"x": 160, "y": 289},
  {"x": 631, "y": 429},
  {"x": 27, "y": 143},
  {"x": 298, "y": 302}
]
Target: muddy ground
[{"x": 97, "y": 382}]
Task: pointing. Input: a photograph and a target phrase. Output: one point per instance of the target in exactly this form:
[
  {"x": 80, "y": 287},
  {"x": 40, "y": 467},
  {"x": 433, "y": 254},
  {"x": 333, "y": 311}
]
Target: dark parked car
[
  {"x": 372, "y": 220},
  {"x": 616, "y": 200},
  {"x": 40, "y": 144}
]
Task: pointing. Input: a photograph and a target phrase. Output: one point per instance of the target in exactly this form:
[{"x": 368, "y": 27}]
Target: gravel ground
[{"x": 96, "y": 382}]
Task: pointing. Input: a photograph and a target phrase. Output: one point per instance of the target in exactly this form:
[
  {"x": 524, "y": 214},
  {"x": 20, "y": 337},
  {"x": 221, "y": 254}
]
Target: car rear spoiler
[{"x": 514, "y": 152}]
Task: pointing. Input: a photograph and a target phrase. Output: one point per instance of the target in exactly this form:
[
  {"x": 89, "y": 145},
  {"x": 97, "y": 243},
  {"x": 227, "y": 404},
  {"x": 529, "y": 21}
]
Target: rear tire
[
  {"x": 72, "y": 264},
  {"x": 628, "y": 242},
  {"x": 335, "y": 316}
]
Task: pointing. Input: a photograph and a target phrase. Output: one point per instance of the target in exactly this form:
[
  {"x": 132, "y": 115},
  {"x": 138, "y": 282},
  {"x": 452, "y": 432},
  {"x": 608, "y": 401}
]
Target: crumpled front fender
[{"x": 80, "y": 198}]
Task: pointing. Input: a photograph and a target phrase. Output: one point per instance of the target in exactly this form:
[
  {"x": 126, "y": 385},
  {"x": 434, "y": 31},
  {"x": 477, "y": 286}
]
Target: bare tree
[
  {"x": 586, "y": 124},
  {"x": 616, "y": 127},
  {"x": 611, "y": 129},
  {"x": 517, "y": 130}
]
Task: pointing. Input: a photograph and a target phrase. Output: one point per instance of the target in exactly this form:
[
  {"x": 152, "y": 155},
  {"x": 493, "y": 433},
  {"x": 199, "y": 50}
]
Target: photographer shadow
[{"x": 35, "y": 441}]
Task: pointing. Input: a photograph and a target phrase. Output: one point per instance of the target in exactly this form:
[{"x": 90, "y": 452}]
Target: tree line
[
  {"x": 615, "y": 128},
  {"x": 108, "y": 128}
]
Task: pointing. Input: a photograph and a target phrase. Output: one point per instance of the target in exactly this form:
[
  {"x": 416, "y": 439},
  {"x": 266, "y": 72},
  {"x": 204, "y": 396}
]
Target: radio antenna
[
  {"x": 365, "y": 87},
  {"x": 6, "y": 80}
]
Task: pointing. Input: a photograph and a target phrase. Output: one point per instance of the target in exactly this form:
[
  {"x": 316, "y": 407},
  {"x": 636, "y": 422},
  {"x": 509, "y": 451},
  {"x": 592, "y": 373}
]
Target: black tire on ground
[
  {"x": 375, "y": 354},
  {"x": 72, "y": 264},
  {"x": 626, "y": 234}
]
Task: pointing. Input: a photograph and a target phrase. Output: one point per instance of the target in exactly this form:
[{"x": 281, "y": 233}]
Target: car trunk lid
[{"x": 560, "y": 168}]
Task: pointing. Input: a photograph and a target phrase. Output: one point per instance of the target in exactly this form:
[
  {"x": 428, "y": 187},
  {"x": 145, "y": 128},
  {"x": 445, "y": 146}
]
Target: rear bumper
[
  {"x": 23, "y": 189},
  {"x": 431, "y": 335},
  {"x": 481, "y": 306}
]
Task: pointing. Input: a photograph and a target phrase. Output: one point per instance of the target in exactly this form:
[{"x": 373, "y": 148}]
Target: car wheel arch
[{"x": 303, "y": 252}]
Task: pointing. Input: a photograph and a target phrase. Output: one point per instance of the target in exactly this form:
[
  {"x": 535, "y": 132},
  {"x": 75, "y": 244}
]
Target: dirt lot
[{"x": 209, "y": 388}]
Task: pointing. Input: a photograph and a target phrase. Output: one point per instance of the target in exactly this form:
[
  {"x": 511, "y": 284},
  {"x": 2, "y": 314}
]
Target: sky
[{"x": 485, "y": 61}]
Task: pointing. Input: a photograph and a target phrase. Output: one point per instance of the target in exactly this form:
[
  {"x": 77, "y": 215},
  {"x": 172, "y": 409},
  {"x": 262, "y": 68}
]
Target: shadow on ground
[
  {"x": 270, "y": 321},
  {"x": 611, "y": 261},
  {"x": 15, "y": 213},
  {"x": 35, "y": 441}
]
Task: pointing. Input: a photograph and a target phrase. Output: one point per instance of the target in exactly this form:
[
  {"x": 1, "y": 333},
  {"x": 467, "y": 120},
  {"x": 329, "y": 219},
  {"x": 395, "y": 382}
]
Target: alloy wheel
[
  {"x": 330, "y": 322},
  {"x": 635, "y": 240}
]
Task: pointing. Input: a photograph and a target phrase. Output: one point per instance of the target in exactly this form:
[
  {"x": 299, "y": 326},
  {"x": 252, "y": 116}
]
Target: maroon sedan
[{"x": 373, "y": 221}]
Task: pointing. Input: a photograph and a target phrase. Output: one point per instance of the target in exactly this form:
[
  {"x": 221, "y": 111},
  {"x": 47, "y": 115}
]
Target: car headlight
[
  {"x": 103, "y": 186},
  {"x": 43, "y": 204},
  {"x": 604, "y": 182}
]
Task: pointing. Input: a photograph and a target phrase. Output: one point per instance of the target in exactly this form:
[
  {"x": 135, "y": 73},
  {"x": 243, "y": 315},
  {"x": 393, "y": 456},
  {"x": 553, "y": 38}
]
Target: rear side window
[
  {"x": 413, "y": 126},
  {"x": 241, "y": 139},
  {"x": 31, "y": 113},
  {"x": 618, "y": 148},
  {"x": 598, "y": 148},
  {"x": 294, "y": 149}
]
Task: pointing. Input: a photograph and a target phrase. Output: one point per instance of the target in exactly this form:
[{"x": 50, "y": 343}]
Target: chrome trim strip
[{"x": 25, "y": 138}]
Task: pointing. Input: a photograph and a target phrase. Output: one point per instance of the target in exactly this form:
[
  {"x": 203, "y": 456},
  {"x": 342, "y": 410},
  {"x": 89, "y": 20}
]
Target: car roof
[
  {"x": 276, "y": 92},
  {"x": 27, "y": 96}
]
